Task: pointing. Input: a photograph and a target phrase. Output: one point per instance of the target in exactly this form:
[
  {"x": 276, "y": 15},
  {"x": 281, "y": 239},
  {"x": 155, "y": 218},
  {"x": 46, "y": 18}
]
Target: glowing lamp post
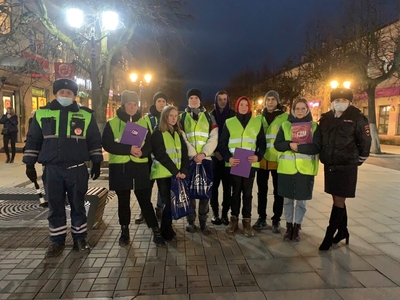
[
  {"x": 147, "y": 78},
  {"x": 109, "y": 21}
]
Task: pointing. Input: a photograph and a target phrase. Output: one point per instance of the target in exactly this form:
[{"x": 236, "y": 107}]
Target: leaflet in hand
[
  {"x": 244, "y": 167},
  {"x": 133, "y": 134},
  {"x": 302, "y": 133}
]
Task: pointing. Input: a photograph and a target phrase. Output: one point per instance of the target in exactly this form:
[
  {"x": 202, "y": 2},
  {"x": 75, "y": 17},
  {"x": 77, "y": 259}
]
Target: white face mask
[
  {"x": 64, "y": 101},
  {"x": 340, "y": 107}
]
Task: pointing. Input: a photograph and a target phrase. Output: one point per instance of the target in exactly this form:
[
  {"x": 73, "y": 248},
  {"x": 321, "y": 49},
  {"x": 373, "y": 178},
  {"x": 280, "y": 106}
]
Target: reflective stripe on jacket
[
  {"x": 290, "y": 162},
  {"x": 271, "y": 130},
  {"x": 173, "y": 148},
  {"x": 198, "y": 132},
  {"x": 240, "y": 137},
  {"x": 117, "y": 127}
]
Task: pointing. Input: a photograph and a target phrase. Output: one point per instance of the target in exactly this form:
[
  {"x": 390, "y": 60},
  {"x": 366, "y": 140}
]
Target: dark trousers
[
  {"x": 6, "y": 139},
  {"x": 221, "y": 173},
  {"x": 74, "y": 182},
  {"x": 241, "y": 185},
  {"x": 262, "y": 183},
  {"x": 144, "y": 199},
  {"x": 164, "y": 187}
]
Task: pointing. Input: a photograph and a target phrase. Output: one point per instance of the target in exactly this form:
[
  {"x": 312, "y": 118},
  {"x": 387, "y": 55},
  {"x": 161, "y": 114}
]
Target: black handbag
[{"x": 4, "y": 131}]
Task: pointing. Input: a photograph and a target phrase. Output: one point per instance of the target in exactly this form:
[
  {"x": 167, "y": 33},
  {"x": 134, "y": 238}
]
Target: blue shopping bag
[
  {"x": 180, "y": 203},
  {"x": 200, "y": 180}
]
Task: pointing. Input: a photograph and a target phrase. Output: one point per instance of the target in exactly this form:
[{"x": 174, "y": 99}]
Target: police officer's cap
[
  {"x": 65, "y": 83},
  {"x": 341, "y": 93}
]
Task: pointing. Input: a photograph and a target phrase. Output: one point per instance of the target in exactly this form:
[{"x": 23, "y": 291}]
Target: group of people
[{"x": 63, "y": 135}]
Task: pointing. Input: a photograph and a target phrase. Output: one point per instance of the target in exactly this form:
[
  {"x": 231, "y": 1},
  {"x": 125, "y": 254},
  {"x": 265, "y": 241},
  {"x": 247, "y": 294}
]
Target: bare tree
[
  {"x": 367, "y": 50},
  {"x": 162, "y": 15}
]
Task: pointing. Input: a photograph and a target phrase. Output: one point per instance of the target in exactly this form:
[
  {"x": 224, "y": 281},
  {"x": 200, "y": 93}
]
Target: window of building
[
  {"x": 5, "y": 17},
  {"x": 383, "y": 119}
]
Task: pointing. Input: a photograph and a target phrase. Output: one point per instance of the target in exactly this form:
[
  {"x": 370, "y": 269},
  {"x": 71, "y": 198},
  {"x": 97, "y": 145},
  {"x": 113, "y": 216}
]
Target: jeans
[
  {"x": 301, "y": 209},
  {"x": 12, "y": 137},
  {"x": 221, "y": 173},
  {"x": 124, "y": 208},
  {"x": 203, "y": 211},
  {"x": 262, "y": 183},
  {"x": 245, "y": 186}
]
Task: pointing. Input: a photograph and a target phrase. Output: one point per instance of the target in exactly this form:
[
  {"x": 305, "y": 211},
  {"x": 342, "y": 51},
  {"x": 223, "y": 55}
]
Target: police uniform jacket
[
  {"x": 119, "y": 172},
  {"x": 346, "y": 140},
  {"x": 69, "y": 144}
]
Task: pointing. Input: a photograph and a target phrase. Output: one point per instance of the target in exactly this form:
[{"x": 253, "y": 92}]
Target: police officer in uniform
[{"x": 62, "y": 136}]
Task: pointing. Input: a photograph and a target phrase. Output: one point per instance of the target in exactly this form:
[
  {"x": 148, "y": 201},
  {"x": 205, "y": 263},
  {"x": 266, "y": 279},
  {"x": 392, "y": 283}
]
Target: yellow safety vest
[
  {"x": 117, "y": 127},
  {"x": 173, "y": 148},
  {"x": 271, "y": 130},
  {"x": 197, "y": 133},
  {"x": 290, "y": 162},
  {"x": 240, "y": 137}
]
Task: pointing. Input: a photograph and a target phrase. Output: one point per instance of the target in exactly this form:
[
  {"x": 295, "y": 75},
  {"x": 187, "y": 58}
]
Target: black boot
[
  {"x": 54, "y": 249},
  {"x": 342, "y": 232},
  {"x": 124, "y": 239},
  {"x": 167, "y": 232},
  {"x": 334, "y": 223},
  {"x": 289, "y": 231},
  {"x": 224, "y": 218},
  {"x": 157, "y": 237},
  {"x": 8, "y": 158},
  {"x": 12, "y": 158},
  {"x": 296, "y": 232},
  {"x": 81, "y": 246},
  {"x": 216, "y": 220},
  {"x": 140, "y": 219}
]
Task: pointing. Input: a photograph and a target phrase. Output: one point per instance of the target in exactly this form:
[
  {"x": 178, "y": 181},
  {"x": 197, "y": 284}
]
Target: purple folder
[
  {"x": 244, "y": 167},
  {"x": 133, "y": 134}
]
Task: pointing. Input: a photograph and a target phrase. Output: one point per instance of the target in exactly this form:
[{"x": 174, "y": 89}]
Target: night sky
[{"x": 227, "y": 36}]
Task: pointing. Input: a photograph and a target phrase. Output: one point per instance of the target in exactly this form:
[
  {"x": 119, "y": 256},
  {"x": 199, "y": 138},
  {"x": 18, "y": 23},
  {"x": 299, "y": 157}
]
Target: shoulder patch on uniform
[
  {"x": 367, "y": 130},
  {"x": 77, "y": 115}
]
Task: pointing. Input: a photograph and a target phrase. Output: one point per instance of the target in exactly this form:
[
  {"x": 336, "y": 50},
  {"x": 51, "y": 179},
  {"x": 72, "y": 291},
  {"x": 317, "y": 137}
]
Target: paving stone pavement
[{"x": 219, "y": 266}]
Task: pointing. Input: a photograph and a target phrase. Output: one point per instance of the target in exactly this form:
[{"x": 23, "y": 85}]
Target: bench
[{"x": 95, "y": 196}]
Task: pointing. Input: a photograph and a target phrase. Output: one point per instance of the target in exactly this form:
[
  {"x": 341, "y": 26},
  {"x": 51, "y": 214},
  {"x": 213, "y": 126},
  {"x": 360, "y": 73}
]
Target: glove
[
  {"x": 31, "y": 172},
  {"x": 95, "y": 171}
]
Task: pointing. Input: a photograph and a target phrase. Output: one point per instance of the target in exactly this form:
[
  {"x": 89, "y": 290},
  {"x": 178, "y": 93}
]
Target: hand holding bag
[
  {"x": 180, "y": 203},
  {"x": 200, "y": 180}
]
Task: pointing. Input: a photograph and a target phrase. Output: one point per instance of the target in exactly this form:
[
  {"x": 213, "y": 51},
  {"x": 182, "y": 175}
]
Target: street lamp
[
  {"x": 260, "y": 101},
  {"x": 334, "y": 84},
  {"x": 147, "y": 78},
  {"x": 347, "y": 84},
  {"x": 109, "y": 21}
]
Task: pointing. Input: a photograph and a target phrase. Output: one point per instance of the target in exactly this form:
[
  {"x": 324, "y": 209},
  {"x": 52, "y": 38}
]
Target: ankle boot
[
  {"x": 342, "y": 232},
  {"x": 124, "y": 239},
  {"x": 247, "y": 229},
  {"x": 296, "y": 232},
  {"x": 233, "y": 225},
  {"x": 334, "y": 223},
  {"x": 289, "y": 231},
  {"x": 157, "y": 237}
]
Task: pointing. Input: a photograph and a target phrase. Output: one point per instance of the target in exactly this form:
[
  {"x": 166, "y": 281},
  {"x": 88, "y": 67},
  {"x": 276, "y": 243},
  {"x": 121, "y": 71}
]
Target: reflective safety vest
[
  {"x": 173, "y": 148},
  {"x": 77, "y": 124},
  {"x": 271, "y": 130},
  {"x": 240, "y": 137},
  {"x": 198, "y": 132},
  {"x": 290, "y": 162},
  {"x": 151, "y": 121},
  {"x": 117, "y": 127}
]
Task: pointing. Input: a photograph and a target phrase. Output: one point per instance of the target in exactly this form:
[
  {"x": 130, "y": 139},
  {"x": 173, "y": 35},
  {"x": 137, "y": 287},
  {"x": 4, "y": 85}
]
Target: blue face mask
[{"x": 64, "y": 101}]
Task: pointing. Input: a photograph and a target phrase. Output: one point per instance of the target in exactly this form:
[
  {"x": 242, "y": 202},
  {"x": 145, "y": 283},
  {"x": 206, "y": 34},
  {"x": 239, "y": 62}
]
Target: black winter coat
[
  {"x": 10, "y": 123},
  {"x": 346, "y": 140},
  {"x": 297, "y": 186},
  {"x": 120, "y": 174}
]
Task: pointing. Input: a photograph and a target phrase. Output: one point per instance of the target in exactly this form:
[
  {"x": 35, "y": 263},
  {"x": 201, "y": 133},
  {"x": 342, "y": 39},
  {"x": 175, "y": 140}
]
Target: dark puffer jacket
[{"x": 346, "y": 140}]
